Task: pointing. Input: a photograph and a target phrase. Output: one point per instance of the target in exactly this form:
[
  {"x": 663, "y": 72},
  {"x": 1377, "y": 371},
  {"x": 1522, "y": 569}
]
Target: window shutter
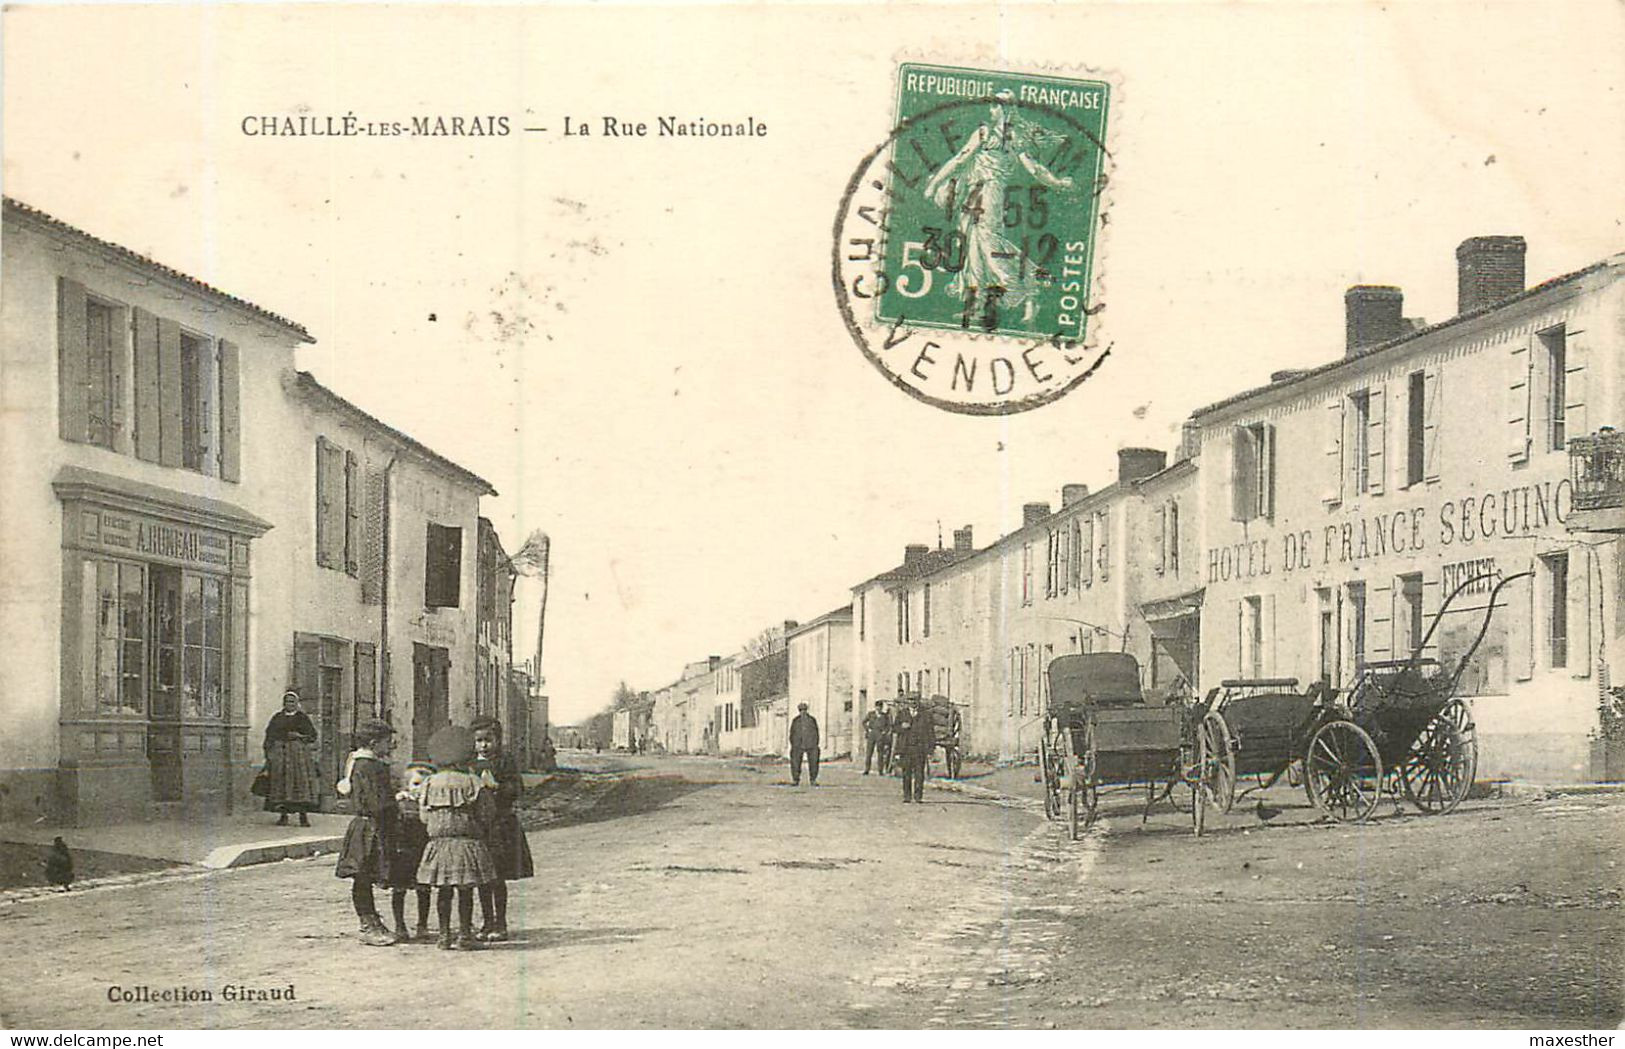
[
  {"x": 1430, "y": 609},
  {"x": 307, "y": 661},
  {"x": 1243, "y": 474},
  {"x": 1064, "y": 569},
  {"x": 1268, "y": 646},
  {"x": 1574, "y": 385},
  {"x": 1104, "y": 530},
  {"x": 1579, "y": 611},
  {"x": 1377, "y": 445},
  {"x": 145, "y": 337},
  {"x": 1521, "y": 631},
  {"x": 352, "y": 513},
  {"x": 1162, "y": 539},
  {"x": 169, "y": 392},
  {"x": 372, "y": 542},
  {"x": 1517, "y": 407},
  {"x": 119, "y": 352},
  {"x": 1267, "y": 504},
  {"x": 231, "y": 424},
  {"x": 1173, "y": 537},
  {"x": 1334, "y": 452},
  {"x": 1379, "y": 638},
  {"x": 323, "y": 495},
  {"x": 73, "y": 365},
  {"x": 1086, "y": 551},
  {"x": 208, "y": 389},
  {"x": 366, "y": 677},
  {"x": 1432, "y": 409},
  {"x": 1241, "y": 639}
]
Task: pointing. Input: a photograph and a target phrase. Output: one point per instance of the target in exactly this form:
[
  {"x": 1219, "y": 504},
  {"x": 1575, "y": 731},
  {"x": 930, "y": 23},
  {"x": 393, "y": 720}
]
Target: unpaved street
[{"x": 711, "y": 893}]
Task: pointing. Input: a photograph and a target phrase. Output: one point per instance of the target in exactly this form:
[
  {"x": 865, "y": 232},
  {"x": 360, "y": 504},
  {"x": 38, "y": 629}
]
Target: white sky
[{"x": 669, "y": 391}]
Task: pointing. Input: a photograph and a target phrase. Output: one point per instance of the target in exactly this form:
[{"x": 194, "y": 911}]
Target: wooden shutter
[
  {"x": 1173, "y": 536},
  {"x": 1579, "y": 611},
  {"x": 118, "y": 352},
  {"x": 1268, "y": 661},
  {"x": 1518, "y": 403},
  {"x": 329, "y": 504},
  {"x": 1379, "y": 634},
  {"x": 1086, "y": 550},
  {"x": 1334, "y": 452},
  {"x": 1104, "y": 534},
  {"x": 231, "y": 426},
  {"x": 1430, "y": 609},
  {"x": 372, "y": 541},
  {"x": 1243, "y": 474},
  {"x": 1432, "y": 416},
  {"x": 1574, "y": 385},
  {"x": 208, "y": 403},
  {"x": 1162, "y": 539},
  {"x": 1063, "y": 570},
  {"x": 73, "y": 366},
  {"x": 307, "y": 662},
  {"x": 169, "y": 392},
  {"x": 1242, "y": 670},
  {"x": 1377, "y": 439},
  {"x": 352, "y": 513},
  {"x": 145, "y": 337}
]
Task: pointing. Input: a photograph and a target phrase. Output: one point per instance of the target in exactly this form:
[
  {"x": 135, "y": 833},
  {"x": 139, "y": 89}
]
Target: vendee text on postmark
[{"x": 967, "y": 243}]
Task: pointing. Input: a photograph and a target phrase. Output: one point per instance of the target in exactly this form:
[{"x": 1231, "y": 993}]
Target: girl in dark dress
[
  {"x": 411, "y": 838},
  {"x": 290, "y": 764},
  {"x": 504, "y": 836},
  {"x": 368, "y": 854}
]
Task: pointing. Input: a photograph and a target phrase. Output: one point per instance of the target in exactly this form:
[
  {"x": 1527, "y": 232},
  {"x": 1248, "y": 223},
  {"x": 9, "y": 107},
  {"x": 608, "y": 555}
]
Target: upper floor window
[
  {"x": 925, "y": 611},
  {"x": 1252, "y": 471},
  {"x": 1360, "y": 441},
  {"x": 135, "y": 383},
  {"x": 1027, "y": 573},
  {"x": 442, "y": 567},
  {"x": 1554, "y": 380}
]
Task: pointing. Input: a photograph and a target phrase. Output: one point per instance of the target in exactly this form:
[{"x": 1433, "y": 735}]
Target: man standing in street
[
  {"x": 915, "y": 739},
  {"x": 803, "y": 744},
  {"x": 877, "y": 735}
]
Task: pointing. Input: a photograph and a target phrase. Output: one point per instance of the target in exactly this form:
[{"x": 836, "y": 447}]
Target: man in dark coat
[
  {"x": 803, "y": 744},
  {"x": 915, "y": 739},
  {"x": 877, "y": 736}
]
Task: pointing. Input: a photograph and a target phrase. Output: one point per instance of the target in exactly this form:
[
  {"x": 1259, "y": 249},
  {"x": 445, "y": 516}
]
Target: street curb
[
  {"x": 1537, "y": 791},
  {"x": 246, "y": 854}
]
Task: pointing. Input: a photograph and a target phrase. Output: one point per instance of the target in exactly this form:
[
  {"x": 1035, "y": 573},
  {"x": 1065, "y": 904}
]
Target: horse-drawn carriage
[{"x": 1400, "y": 730}]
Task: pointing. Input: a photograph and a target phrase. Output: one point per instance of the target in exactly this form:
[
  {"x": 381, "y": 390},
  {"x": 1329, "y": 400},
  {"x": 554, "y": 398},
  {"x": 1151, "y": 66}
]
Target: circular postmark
[{"x": 965, "y": 243}]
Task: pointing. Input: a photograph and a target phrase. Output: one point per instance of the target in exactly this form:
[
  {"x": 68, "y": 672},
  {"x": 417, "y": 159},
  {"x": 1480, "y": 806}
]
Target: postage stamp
[{"x": 967, "y": 242}]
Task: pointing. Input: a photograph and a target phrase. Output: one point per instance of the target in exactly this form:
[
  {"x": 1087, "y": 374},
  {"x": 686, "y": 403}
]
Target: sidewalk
[{"x": 214, "y": 842}]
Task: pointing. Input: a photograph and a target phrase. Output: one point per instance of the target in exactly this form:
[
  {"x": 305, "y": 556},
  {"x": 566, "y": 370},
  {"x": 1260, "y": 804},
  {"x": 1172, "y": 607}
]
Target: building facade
[
  {"x": 191, "y": 531},
  {"x": 820, "y": 675},
  {"x": 1345, "y": 505}
]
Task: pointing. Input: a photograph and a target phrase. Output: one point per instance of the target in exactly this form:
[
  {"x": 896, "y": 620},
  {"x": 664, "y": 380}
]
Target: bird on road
[
  {"x": 1266, "y": 812},
  {"x": 59, "y": 864}
]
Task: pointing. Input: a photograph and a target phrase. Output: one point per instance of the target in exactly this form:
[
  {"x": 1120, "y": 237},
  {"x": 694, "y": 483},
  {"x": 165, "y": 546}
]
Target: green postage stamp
[{"x": 967, "y": 242}]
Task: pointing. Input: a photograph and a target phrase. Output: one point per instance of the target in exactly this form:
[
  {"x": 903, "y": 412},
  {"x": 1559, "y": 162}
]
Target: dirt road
[{"x": 719, "y": 896}]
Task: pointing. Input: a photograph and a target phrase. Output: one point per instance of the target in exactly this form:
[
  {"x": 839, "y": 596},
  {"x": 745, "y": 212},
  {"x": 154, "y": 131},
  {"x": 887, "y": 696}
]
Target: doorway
[
  {"x": 164, "y": 711},
  {"x": 431, "y": 694}
]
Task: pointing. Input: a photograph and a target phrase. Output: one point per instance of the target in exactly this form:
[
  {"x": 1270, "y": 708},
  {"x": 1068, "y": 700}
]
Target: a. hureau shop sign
[
  {"x": 139, "y": 536},
  {"x": 1446, "y": 530}
]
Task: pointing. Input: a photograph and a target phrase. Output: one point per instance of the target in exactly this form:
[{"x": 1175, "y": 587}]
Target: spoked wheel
[
  {"x": 1438, "y": 771},
  {"x": 1216, "y": 761},
  {"x": 1084, "y": 796},
  {"x": 1052, "y": 777},
  {"x": 1343, "y": 771}
]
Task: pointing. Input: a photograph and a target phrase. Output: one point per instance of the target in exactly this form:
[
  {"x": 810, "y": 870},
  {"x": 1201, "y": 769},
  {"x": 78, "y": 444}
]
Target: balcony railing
[{"x": 1597, "y": 467}]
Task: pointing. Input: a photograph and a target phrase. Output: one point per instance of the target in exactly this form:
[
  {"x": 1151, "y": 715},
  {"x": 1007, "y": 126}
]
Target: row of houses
[
  {"x": 1301, "y": 529},
  {"x": 193, "y": 526}
]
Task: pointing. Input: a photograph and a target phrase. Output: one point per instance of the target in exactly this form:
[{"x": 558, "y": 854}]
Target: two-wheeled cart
[
  {"x": 1400, "y": 730},
  {"x": 946, "y": 725}
]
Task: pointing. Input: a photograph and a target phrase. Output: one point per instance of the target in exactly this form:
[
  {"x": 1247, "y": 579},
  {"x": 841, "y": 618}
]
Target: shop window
[
  {"x": 1556, "y": 570},
  {"x": 443, "y": 567},
  {"x": 203, "y": 621},
  {"x": 120, "y": 643}
]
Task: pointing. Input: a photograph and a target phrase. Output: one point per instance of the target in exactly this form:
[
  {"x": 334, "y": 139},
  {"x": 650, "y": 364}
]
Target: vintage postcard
[{"x": 866, "y": 517}]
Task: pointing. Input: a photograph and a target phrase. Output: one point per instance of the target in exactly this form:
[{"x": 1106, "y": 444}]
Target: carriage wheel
[
  {"x": 1216, "y": 761},
  {"x": 1343, "y": 771},
  {"x": 1438, "y": 771},
  {"x": 1084, "y": 795},
  {"x": 1052, "y": 779}
]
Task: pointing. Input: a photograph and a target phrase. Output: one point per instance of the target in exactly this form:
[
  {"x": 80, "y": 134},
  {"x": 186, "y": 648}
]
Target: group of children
[{"x": 450, "y": 830}]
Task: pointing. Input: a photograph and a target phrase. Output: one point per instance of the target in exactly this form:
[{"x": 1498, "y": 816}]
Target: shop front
[{"x": 155, "y": 609}]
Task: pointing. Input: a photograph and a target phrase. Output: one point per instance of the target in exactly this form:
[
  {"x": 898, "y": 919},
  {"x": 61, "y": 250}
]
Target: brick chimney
[
  {"x": 715, "y": 661},
  {"x": 1373, "y": 314},
  {"x": 962, "y": 541},
  {"x": 1134, "y": 464},
  {"x": 1072, "y": 493},
  {"x": 1032, "y": 513},
  {"x": 1488, "y": 269},
  {"x": 789, "y": 625},
  {"x": 914, "y": 554}
]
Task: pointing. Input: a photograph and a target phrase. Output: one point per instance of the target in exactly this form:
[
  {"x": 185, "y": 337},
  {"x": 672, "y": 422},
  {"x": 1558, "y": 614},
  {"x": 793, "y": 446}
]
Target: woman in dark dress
[
  {"x": 368, "y": 854},
  {"x": 504, "y": 836},
  {"x": 290, "y": 762}
]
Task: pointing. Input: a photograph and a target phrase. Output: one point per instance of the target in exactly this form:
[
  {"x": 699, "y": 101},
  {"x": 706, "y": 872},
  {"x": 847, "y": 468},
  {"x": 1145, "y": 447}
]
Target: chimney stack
[
  {"x": 1134, "y": 464},
  {"x": 914, "y": 554},
  {"x": 1190, "y": 440},
  {"x": 789, "y": 625},
  {"x": 1072, "y": 493},
  {"x": 1488, "y": 269},
  {"x": 1373, "y": 314},
  {"x": 1032, "y": 513},
  {"x": 962, "y": 541},
  {"x": 715, "y": 661}
]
